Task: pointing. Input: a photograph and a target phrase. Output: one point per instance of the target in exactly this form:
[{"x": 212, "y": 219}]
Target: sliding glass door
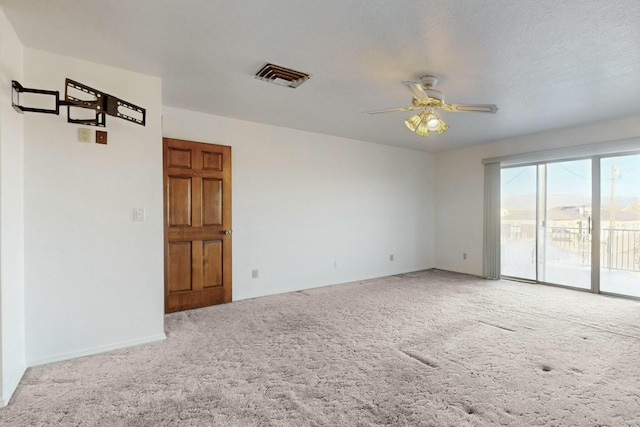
[
  {"x": 620, "y": 225},
  {"x": 518, "y": 222},
  {"x": 546, "y": 223},
  {"x": 549, "y": 218},
  {"x": 565, "y": 243}
]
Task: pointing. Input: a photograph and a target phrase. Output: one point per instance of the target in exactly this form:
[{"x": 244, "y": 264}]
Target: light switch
[{"x": 138, "y": 214}]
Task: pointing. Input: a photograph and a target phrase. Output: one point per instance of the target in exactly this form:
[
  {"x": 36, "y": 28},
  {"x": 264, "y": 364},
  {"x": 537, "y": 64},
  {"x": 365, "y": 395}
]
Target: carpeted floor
[{"x": 424, "y": 349}]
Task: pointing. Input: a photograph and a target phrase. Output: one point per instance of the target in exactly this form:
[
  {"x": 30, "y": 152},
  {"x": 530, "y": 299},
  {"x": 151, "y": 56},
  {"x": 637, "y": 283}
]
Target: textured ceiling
[{"x": 546, "y": 64}]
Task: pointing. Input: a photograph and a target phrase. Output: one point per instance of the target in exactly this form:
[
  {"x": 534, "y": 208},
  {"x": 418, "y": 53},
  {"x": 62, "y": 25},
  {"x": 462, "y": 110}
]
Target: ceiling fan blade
[
  {"x": 392, "y": 110},
  {"x": 471, "y": 108},
  {"x": 416, "y": 90}
]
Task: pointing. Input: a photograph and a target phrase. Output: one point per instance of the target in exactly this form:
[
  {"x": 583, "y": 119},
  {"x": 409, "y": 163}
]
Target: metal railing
[{"x": 619, "y": 248}]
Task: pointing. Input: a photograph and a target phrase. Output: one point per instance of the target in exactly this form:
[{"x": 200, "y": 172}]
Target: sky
[{"x": 574, "y": 178}]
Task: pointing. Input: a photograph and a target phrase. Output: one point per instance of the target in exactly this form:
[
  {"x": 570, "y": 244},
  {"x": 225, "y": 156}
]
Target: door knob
[{"x": 227, "y": 232}]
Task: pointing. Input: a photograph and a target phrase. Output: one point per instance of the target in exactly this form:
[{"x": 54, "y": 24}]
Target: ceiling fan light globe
[
  {"x": 442, "y": 128},
  {"x": 422, "y": 129},
  {"x": 412, "y": 122},
  {"x": 433, "y": 123}
]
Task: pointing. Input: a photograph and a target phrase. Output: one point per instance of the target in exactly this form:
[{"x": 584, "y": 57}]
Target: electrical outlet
[
  {"x": 138, "y": 214},
  {"x": 254, "y": 274},
  {"x": 391, "y": 257},
  {"x": 335, "y": 264},
  {"x": 464, "y": 256}
]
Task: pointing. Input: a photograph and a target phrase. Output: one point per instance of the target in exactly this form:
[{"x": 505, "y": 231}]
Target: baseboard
[
  {"x": 322, "y": 285},
  {"x": 457, "y": 270},
  {"x": 13, "y": 385},
  {"x": 95, "y": 350}
]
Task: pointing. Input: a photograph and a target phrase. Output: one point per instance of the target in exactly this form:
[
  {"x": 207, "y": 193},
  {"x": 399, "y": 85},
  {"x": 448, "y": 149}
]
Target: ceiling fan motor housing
[{"x": 428, "y": 81}]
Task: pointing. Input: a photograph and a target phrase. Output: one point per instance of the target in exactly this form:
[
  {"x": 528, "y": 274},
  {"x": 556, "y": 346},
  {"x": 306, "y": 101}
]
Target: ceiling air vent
[{"x": 281, "y": 76}]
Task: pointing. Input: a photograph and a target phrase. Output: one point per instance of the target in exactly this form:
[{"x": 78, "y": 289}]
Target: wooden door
[{"x": 197, "y": 224}]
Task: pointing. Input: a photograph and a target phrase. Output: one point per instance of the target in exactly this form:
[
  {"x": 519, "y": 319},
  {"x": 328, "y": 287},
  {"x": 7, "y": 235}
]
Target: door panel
[
  {"x": 620, "y": 225},
  {"x": 567, "y": 224},
  {"x": 179, "y": 201},
  {"x": 197, "y": 181},
  {"x": 179, "y": 158},
  {"x": 546, "y": 223},
  {"x": 179, "y": 267},
  {"x": 211, "y": 161},
  {"x": 212, "y": 202},
  {"x": 212, "y": 264},
  {"x": 518, "y": 218}
]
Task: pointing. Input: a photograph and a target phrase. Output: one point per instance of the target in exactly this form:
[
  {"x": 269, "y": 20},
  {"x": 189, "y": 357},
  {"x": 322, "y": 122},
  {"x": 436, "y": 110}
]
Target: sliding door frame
[
  {"x": 597, "y": 220},
  {"x": 541, "y": 220},
  {"x": 596, "y": 151},
  {"x": 595, "y": 232},
  {"x": 595, "y": 223}
]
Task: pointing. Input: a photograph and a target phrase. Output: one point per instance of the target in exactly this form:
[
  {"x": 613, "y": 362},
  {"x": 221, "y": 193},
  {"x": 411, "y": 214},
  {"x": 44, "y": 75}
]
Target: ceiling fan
[{"x": 428, "y": 99}]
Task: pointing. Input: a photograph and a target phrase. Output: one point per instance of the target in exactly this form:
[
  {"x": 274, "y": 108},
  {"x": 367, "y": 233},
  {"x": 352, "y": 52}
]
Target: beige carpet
[{"x": 424, "y": 349}]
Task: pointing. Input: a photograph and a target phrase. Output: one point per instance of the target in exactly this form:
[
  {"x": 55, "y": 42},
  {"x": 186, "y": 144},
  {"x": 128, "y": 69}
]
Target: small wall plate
[
  {"x": 101, "y": 137},
  {"x": 84, "y": 135}
]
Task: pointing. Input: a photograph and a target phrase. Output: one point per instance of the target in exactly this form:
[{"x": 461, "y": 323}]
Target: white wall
[
  {"x": 12, "y": 309},
  {"x": 304, "y": 203},
  {"x": 94, "y": 278},
  {"x": 459, "y": 186}
]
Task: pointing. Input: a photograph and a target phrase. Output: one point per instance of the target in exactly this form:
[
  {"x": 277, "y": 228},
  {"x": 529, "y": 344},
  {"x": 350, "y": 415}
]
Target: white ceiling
[{"x": 547, "y": 64}]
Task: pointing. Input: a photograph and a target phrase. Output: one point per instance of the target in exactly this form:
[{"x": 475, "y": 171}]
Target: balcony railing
[{"x": 619, "y": 248}]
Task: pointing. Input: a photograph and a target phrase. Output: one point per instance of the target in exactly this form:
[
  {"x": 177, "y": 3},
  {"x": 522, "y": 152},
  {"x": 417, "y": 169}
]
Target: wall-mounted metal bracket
[
  {"x": 78, "y": 95},
  {"x": 18, "y": 89}
]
